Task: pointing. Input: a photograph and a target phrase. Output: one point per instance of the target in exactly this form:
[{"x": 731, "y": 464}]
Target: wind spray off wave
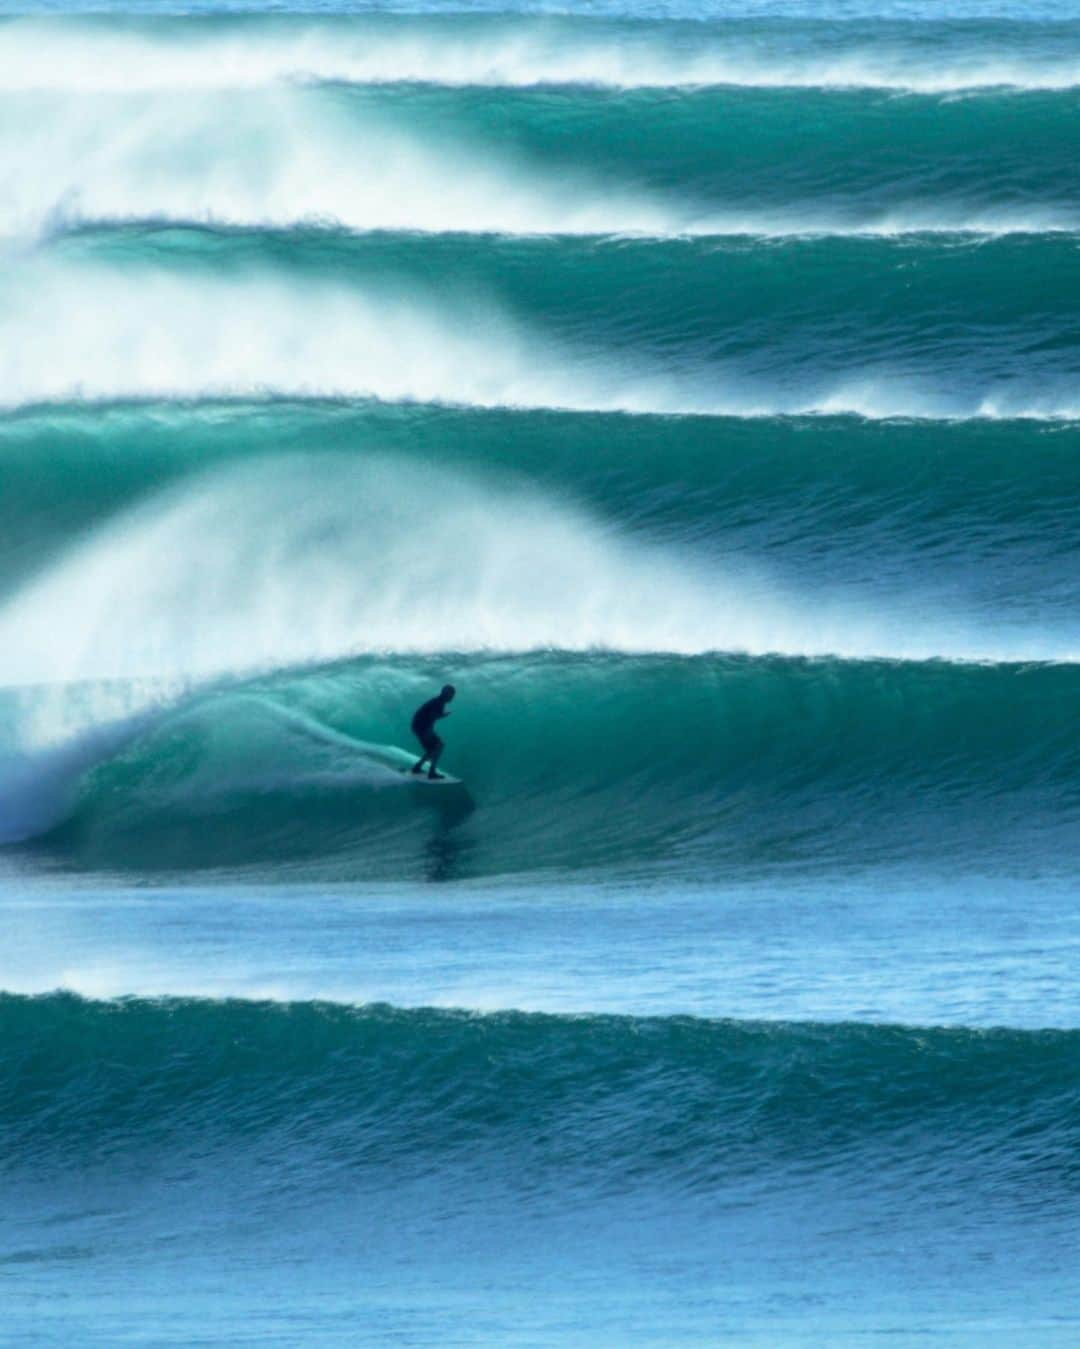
[
  {"x": 289, "y": 560},
  {"x": 709, "y": 163},
  {"x": 501, "y": 50},
  {"x": 148, "y": 321}
]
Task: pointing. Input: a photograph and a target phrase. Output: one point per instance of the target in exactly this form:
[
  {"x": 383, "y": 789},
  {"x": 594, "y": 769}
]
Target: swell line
[
  {"x": 606, "y": 1099},
  {"x": 508, "y": 50},
  {"x": 376, "y": 324},
  {"x": 773, "y": 164}
]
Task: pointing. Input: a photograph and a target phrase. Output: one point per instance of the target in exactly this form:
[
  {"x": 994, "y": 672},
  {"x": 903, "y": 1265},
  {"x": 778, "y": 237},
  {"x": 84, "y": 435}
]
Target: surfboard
[{"x": 422, "y": 780}]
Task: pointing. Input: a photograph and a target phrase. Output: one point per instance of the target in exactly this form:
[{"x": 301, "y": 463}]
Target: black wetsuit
[{"x": 423, "y": 723}]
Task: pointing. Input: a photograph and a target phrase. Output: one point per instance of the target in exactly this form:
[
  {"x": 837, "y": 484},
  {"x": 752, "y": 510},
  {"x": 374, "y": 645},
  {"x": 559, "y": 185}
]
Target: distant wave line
[{"x": 489, "y": 53}]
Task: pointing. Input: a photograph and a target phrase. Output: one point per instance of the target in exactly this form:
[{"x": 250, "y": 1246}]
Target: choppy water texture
[{"x": 695, "y": 387}]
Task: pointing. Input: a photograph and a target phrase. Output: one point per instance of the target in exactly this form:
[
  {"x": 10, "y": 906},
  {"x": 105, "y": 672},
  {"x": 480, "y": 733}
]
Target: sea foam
[{"x": 510, "y": 52}]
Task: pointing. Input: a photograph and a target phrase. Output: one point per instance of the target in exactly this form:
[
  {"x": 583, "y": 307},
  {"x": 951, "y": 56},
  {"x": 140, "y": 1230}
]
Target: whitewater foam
[{"x": 515, "y": 52}]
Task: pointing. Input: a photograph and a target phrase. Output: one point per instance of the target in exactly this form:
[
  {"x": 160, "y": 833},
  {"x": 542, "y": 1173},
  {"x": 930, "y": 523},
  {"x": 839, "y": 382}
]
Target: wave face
[
  {"x": 574, "y": 161},
  {"x": 326, "y": 1144},
  {"x": 926, "y": 538},
  {"x": 613, "y": 764},
  {"x": 567, "y": 1103},
  {"x": 551, "y": 326}
]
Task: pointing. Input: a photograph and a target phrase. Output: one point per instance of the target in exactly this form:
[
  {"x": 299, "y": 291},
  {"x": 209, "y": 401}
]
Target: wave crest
[{"x": 522, "y": 52}]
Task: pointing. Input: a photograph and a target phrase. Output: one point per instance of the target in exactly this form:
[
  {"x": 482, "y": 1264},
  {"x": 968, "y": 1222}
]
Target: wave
[
  {"x": 122, "y": 54},
  {"x": 714, "y": 164},
  {"x": 557, "y": 1105},
  {"x": 294, "y": 559},
  {"x": 827, "y": 499},
  {"x": 279, "y": 161},
  {"x": 572, "y": 762},
  {"x": 378, "y": 322},
  {"x": 108, "y": 332},
  {"x": 944, "y": 532}
]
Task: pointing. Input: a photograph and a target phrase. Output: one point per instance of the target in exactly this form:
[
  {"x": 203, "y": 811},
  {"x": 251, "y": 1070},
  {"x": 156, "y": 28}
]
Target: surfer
[{"x": 423, "y": 727}]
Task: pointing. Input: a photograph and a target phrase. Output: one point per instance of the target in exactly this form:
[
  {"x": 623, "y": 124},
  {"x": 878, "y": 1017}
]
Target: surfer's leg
[
  {"x": 426, "y": 746},
  {"x": 431, "y": 745},
  {"x": 433, "y": 756}
]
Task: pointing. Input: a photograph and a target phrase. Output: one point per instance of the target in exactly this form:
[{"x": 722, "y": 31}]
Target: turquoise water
[{"x": 696, "y": 388}]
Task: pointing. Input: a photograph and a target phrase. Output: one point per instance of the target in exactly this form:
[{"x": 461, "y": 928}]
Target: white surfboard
[{"x": 444, "y": 780}]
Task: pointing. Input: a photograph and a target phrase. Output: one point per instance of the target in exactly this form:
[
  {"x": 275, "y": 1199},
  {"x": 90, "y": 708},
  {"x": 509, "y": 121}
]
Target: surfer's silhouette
[{"x": 423, "y": 727}]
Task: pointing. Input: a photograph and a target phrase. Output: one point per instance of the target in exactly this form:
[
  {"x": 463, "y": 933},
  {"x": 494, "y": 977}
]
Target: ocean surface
[{"x": 694, "y": 385}]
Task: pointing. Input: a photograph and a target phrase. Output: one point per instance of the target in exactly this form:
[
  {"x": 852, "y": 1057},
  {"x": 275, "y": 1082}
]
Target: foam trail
[
  {"x": 293, "y": 560},
  {"x": 519, "y": 52},
  {"x": 281, "y": 160}
]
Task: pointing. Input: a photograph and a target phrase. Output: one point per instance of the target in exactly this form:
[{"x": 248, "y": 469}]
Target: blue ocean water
[{"x": 697, "y": 388}]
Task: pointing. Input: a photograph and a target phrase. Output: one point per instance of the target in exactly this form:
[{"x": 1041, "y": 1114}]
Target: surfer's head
[{"x": 448, "y": 692}]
